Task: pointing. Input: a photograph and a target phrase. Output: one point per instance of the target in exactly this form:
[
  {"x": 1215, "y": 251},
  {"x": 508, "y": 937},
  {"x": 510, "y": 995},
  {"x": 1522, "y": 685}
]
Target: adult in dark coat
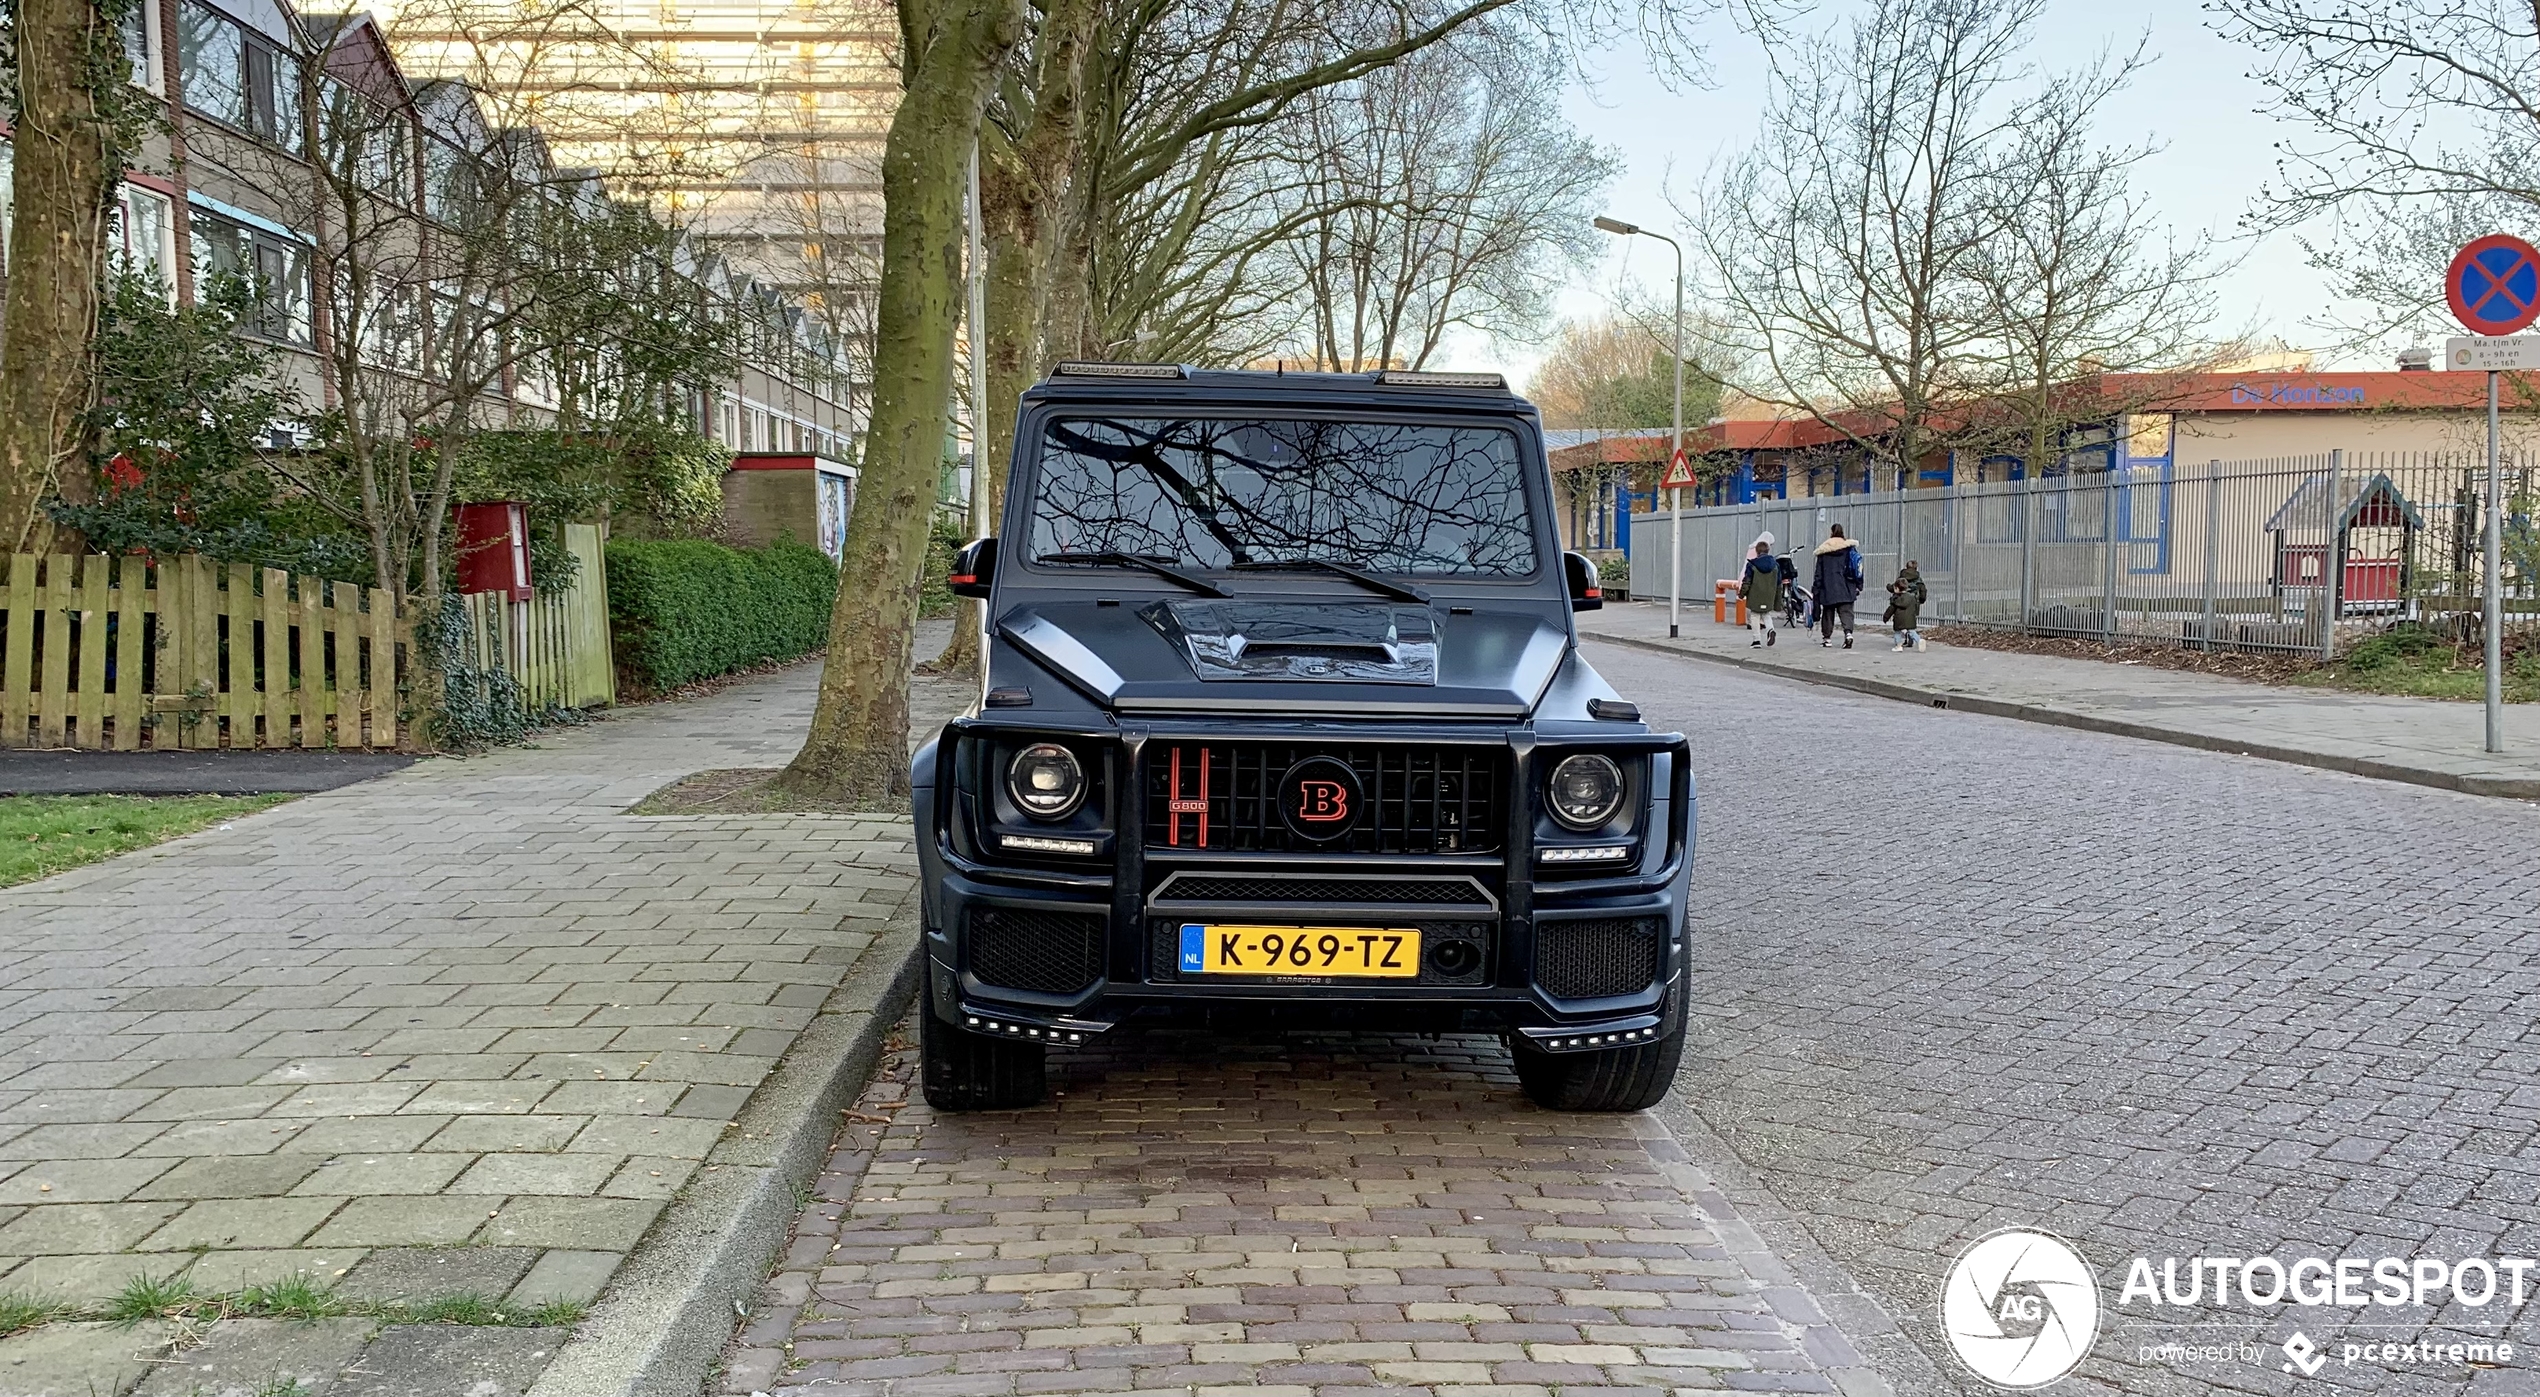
[{"x": 1837, "y": 585}]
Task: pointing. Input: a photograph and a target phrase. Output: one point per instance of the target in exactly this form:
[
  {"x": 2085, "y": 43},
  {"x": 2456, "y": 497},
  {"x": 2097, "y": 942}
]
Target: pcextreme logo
[{"x": 2020, "y": 1307}]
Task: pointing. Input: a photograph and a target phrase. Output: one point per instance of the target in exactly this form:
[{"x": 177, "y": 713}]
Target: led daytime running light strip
[
  {"x": 1598, "y": 1040},
  {"x": 1047, "y": 1035},
  {"x": 1561, "y": 853},
  {"x": 1043, "y": 844}
]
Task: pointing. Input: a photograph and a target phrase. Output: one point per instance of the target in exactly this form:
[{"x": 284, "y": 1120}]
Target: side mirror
[
  {"x": 973, "y": 568},
  {"x": 1585, "y": 595}
]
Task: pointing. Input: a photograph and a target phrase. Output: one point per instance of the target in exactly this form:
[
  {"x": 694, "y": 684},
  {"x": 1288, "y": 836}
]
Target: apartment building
[
  {"x": 758, "y": 122},
  {"x": 295, "y": 147}
]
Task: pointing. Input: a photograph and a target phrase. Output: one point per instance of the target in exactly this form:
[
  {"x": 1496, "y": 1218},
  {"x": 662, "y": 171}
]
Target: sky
[{"x": 2194, "y": 100}]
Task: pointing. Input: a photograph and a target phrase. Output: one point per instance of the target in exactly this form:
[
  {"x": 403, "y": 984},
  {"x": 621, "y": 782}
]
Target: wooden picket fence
[
  {"x": 556, "y": 644},
  {"x": 130, "y": 653}
]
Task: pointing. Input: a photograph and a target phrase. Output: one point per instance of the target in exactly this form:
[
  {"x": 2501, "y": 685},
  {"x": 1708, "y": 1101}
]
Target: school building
[{"x": 2161, "y": 427}]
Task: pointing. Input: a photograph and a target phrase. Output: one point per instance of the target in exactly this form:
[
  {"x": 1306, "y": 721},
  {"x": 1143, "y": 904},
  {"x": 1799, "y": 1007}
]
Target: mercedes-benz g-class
[{"x": 1284, "y": 719}]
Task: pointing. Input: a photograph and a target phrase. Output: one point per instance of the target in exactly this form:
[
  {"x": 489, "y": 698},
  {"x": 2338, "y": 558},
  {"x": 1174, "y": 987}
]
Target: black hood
[{"x": 1294, "y": 656}]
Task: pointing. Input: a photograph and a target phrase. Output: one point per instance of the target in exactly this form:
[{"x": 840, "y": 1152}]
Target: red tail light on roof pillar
[{"x": 493, "y": 548}]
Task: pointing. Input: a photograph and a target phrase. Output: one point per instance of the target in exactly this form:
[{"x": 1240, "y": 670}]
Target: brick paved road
[
  {"x": 1275, "y": 1217},
  {"x": 1971, "y": 972}
]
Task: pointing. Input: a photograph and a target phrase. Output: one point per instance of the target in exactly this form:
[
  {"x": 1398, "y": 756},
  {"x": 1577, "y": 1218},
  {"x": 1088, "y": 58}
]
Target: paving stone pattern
[
  {"x": 1964, "y": 973},
  {"x": 1275, "y": 1216},
  {"x": 469, "y": 1005}
]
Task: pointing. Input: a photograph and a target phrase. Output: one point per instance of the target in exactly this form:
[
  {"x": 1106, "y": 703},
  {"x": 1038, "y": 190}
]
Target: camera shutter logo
[{"x": 2020, "y": 1308}]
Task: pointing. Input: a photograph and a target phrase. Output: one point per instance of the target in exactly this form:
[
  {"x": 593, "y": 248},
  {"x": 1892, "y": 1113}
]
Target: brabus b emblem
[
  {"x": 1319, "y": 797},
  {"x": 1321, "y": 802}
]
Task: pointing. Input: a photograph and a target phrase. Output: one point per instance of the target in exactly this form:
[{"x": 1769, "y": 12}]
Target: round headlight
[
  {"x": 1586, "y": 791},
  {"x": 1046, "y": 781}
]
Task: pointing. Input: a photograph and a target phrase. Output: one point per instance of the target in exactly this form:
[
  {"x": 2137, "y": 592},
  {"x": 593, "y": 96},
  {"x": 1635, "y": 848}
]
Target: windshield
[{"x": 1386, "y": 497}]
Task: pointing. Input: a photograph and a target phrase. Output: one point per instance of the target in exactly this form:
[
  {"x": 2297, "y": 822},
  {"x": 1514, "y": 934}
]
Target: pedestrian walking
[
  {"x": 1905, "y": 598},
  {"x": 1838, "y": 585},
  {"x": 1762, "y": 586}
]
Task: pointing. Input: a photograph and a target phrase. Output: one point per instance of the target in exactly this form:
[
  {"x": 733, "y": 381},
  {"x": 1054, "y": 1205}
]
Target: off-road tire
[
  {"x": 1617, "y": 1079},
  {"x": 967, "y": 1071}
]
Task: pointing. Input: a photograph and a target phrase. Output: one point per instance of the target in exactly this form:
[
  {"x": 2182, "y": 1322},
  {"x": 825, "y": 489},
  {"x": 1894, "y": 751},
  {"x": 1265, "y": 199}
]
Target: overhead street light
[{"x": 1676, "y": 427}]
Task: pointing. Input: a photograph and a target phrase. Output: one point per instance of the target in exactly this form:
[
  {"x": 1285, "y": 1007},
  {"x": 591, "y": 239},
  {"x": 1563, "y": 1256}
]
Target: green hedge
[{"x": 684, "y": 610}]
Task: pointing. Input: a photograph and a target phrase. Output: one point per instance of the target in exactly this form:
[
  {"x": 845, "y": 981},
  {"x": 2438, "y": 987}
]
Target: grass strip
[
  {"x": 299, "y": 1297},
  {"x": 44, "y": 835}
]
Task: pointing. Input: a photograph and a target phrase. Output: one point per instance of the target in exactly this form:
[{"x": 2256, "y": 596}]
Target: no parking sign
[{"x": 2494, "y": 285}]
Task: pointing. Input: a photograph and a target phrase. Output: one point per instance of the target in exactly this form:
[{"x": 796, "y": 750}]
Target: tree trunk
[
  {"x": 857, "y": 753},
  {"x": 1025, "y": 192},
  {"x": 56, "y": 262}
]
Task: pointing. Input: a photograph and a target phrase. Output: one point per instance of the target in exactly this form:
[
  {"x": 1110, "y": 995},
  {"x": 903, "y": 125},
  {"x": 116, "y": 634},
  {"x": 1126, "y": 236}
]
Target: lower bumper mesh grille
[
  {"x": 1045, "y": 952},
  {"x": 1596, "y": 959}
]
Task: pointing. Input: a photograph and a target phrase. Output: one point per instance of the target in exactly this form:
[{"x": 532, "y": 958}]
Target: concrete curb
[
  {"x": 2500, "y": 787},
  {"x": 1776, "y": 1247},
  {"x": 669, "y": 1312}
]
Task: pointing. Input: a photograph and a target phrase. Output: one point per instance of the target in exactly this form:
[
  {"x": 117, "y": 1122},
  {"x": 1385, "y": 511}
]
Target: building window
[
  {"x": 277, "y": 268},
  {"x": 142, "y": 237},
  {"x": 758, "y": 429},
  {"x": 236, "y": 78},
  {"x": 448, "y": 189},
  {"x": 730, "y": 435},
  {"x": 141, "y": 46},
  {"x": 366, "y": 145}
]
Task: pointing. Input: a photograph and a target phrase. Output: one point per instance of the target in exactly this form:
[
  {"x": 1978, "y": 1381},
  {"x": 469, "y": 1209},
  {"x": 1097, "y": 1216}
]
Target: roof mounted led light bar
[
  {"x": 1085, "y": 368},
  {"x": 1422, "y": 378}
]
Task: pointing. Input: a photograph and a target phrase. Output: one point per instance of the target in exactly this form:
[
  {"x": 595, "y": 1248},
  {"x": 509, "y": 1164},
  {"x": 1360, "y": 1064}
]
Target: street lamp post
[{"x": 1675, "y": 425}]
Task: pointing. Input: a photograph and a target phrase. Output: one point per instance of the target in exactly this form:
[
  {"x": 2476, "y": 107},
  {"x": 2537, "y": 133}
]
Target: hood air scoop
[{"x": 1286, "y": 640}]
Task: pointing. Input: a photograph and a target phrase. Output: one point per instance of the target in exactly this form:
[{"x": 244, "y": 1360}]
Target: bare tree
[
  {"x": 64, "y": 87},
  {"x": 951, "y": 51},
  {"x": 1926, "y": 222},
  {"x": 2421, "y": 116},
  {"x": 1442, "y": 192},
  {"x": 1841, "y": 244},
  {"x": 2077, "y": 282},
  {"x": 1613, "y": 373}
]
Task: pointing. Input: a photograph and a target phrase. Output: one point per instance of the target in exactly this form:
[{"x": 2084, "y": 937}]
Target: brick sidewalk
[
  {"x": 2422, "y": 741},
  {"x": 1279, "y": 1217},
  {"x": 471, "y": 1006}
]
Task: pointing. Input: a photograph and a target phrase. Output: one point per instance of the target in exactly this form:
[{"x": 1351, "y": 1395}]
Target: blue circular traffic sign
[{"x": 2494, "y": 285}]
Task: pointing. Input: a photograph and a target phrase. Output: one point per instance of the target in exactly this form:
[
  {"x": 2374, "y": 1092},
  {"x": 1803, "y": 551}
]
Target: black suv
[{"x": 1284, "y": 718}]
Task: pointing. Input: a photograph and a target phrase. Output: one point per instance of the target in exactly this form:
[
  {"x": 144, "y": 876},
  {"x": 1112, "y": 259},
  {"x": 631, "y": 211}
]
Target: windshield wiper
[
  {"x": 1140, "y": 561},
  {"x": 1399, "y": 591}
]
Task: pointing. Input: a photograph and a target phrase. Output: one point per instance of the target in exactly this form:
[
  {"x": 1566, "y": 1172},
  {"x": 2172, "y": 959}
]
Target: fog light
[{"x": 1455, "y": 957}]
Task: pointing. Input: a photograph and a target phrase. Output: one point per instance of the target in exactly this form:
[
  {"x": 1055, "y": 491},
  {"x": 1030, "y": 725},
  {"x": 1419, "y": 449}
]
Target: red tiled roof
[{"x": 2192, "y": 393}]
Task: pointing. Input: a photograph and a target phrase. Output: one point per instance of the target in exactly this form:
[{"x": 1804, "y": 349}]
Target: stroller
[{"x": 1799, "y": 609}]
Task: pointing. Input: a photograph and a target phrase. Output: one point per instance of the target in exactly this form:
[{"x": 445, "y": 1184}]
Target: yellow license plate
[{"x": 1218, "y": 949}]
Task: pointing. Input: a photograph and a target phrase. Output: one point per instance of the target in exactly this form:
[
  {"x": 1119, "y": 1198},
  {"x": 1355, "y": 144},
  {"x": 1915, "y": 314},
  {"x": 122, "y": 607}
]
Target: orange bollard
[{"x": 1721, "y": 591}]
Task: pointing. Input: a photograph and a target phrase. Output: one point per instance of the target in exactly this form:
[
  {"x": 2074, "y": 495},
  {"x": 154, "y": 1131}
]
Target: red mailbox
[{"x": 493, "y": 548}]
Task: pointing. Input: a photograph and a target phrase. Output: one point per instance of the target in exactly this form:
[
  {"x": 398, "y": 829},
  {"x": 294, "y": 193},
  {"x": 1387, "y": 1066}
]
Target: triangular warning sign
[{"x": 1679, "y": 472}]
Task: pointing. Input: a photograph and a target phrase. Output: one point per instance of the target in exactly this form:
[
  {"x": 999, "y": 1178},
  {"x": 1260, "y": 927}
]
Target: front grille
[
  {"x": 1415, "y": 800},
  {"x": 1046, "y": 952},
  {"x": 1596, "y": 959},
  {"x": 1226, "y": 887}
]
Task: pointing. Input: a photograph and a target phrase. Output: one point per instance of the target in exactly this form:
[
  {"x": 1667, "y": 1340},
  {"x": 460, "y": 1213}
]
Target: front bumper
[{"x": 1061, "y": 955}]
